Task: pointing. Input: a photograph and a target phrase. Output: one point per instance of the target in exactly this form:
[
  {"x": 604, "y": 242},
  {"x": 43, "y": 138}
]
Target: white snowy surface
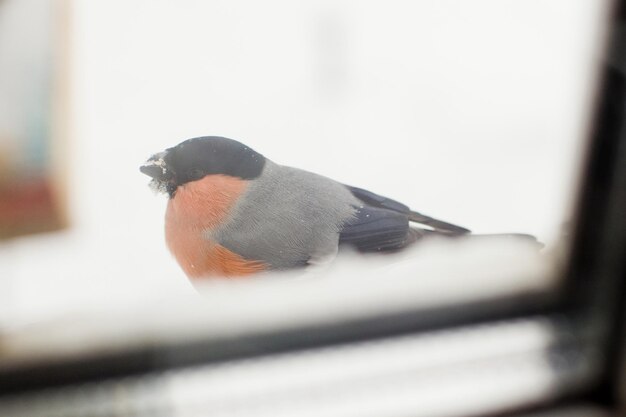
[
  {"x": 472, "y": 112},
  {"x": 436, "y": 275}
]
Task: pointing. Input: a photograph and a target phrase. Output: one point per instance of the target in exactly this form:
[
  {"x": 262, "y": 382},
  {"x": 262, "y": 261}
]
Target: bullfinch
[{"x": 233, "y": 212}]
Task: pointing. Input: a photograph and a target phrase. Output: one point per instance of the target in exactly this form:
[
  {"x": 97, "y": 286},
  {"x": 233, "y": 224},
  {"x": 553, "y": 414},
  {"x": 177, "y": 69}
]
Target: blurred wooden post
[{"x": 33, "y": 134}]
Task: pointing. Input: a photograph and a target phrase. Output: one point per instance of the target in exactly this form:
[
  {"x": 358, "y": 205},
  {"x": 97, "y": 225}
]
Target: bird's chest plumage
[{"x": 198, "y": 208}]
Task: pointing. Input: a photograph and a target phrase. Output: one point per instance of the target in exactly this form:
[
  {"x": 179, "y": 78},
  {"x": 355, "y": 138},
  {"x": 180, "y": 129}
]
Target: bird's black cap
[{"x": 196, "y": 158}]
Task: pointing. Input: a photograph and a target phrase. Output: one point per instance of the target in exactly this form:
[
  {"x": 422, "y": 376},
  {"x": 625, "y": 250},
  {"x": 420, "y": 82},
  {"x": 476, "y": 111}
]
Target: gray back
[{"x": 286, "y": 217}]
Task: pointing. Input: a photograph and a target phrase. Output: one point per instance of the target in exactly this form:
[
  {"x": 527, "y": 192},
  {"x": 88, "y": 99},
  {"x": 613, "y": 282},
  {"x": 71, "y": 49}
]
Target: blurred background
[
  {"x": 472, "y": 112},
  {"x": 475, "y": 112}
]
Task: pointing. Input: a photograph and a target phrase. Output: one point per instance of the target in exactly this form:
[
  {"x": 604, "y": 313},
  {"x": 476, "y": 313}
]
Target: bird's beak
[{"x": 156, "y": 168}]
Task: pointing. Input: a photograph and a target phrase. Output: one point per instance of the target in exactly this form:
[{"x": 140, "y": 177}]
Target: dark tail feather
[{"x": 438, "y": 225}]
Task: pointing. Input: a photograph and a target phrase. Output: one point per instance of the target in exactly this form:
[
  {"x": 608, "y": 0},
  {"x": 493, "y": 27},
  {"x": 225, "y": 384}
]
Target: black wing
[
  {"x": 382, "y": 224},
  {"x": 378, "y": 201},
  {"x": 376, "y": 229}
]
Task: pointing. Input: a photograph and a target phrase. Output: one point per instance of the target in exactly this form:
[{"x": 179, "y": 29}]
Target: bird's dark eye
[{"x": 195, "y": 174}]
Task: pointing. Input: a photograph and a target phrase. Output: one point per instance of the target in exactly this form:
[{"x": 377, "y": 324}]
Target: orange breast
[{"x": 197, "y": 208}]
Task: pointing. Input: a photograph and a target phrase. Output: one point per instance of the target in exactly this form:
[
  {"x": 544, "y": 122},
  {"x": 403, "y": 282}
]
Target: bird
[{"x": 232, "y": 212}]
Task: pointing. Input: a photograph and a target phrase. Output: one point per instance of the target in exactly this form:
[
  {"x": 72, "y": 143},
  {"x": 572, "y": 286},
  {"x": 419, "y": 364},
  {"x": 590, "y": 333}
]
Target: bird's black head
[{"x": 196, "y": 158}]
